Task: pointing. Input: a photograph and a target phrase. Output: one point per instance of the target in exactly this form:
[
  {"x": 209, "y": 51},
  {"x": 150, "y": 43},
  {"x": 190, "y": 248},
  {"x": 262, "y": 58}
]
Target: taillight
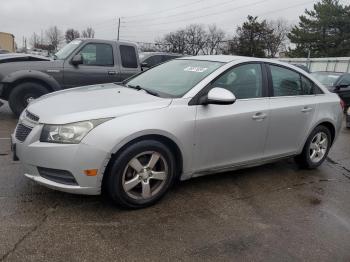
[{"x": 342, "y": 104}]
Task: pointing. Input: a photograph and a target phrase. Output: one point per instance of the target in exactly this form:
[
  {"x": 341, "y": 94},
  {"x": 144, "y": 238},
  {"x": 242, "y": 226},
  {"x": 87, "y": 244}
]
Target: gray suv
[{"x": 81, "y": 62}]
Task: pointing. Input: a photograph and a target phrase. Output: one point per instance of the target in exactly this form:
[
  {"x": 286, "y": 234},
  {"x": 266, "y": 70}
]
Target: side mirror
[
  {"x": 144, "y": 66},
  {"x": 77, "y": 60},
  {"x": 218, "y": 96}
]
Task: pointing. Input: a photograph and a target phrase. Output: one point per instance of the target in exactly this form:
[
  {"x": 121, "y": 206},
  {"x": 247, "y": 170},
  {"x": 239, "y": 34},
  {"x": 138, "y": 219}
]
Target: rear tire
[
  {"x": 316, "y": 148},
  {"x": 134, "y": 180},
  {"x": 23, "y": 93}
]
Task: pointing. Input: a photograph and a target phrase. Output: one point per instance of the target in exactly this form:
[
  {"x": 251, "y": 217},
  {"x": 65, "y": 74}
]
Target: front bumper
[{"x": 74, "y": 158}]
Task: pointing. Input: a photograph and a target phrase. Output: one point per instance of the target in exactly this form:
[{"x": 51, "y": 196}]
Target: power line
[
  {"x": 164, "y": 10},
  {"x": 259, "y": 14},
  {"x": 210, "y": 14},
  {"x": 183, "y": 13}
]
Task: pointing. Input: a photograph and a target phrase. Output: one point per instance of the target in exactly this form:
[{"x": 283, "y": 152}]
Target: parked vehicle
[
  {"x": 150, "y": 59},
  {"x": 81, "y": 62},
  {"x": 305, "y": 68},
  {"x": 348, "y": 118},
  {"x": 185, "y": 118},
  {"x": 338, "y": 83},
  {"x": 3, "y": 51}
]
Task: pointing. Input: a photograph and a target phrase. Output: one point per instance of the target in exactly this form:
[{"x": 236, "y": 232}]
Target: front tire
[
  {"x": 141, "y": 175},
  {"x": 316, "y": 148},
  {"x": 22, "y": 94}
]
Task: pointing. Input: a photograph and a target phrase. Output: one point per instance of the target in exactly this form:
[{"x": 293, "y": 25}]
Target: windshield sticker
[{"x": 196, "y": 69}]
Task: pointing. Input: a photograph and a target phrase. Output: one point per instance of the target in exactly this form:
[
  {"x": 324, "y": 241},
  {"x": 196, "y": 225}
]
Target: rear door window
[
  {"x": 285, "y": 82},
  {"x": 128, "y": 56}
]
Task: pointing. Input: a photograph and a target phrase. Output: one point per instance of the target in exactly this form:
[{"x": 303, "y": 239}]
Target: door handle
[
  {"x": 259, "y": 116},
  {"x": 112, "y": 72},
  {"x": 306, "y": 109}
]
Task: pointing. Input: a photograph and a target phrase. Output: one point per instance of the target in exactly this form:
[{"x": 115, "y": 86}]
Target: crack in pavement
[
  {"x": 340, "y": 166},
  {"x": 35, "y": 228}
]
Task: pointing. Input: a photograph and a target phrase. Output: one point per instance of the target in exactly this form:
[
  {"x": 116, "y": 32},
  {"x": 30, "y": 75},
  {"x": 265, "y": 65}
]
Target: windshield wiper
[{"x": 137, "y": 87}]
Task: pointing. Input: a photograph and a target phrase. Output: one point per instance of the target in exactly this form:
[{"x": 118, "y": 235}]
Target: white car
[{"x": 185, "y": 118}]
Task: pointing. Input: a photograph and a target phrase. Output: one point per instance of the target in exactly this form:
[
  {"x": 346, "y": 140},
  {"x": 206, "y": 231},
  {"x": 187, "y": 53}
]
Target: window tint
[
  {"x": 97, "y": 55},
  {"x": 167, "y": 57},
  {"x": 128, "y": 56},
  {"x": 243, "y": 81},
  {"x": 285, "y": 82},
  {"x": 345, "y": 80},
  {"x": 307, "y": 86},
  {"x": 153, "y": 60}
]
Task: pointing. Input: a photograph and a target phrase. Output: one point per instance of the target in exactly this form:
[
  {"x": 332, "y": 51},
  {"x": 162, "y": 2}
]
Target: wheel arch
[
  {"x": 166, "y": 140},
  {"x": 327, "y": 123},
  {"x": 23, "y": 76}
]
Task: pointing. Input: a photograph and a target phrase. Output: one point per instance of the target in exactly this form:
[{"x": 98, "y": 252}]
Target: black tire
[
  {"x": 113, "y": 183},
  {"x": 304, "y": 159},
  {"x": 18, "y": 99}
]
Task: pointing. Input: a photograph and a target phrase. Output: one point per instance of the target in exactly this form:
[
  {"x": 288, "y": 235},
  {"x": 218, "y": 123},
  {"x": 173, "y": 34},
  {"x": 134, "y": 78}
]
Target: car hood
[
  {"x": 13, "y": 57},
  {"x": 93, "y": 102}
]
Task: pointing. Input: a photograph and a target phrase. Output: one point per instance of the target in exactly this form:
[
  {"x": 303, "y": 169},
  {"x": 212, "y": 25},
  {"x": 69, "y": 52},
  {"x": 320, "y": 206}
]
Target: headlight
[{"x": 71, "y": 133}]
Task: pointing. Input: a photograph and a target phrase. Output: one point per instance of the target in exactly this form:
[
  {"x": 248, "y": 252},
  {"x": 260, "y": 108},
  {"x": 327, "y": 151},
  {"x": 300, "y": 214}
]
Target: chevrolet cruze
[{"x": 185, "y": 118}]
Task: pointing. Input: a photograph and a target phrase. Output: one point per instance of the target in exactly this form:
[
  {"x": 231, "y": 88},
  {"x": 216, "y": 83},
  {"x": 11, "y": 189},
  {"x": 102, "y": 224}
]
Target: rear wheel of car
[
  {"x": 23, "y": 93},
  {"x": 141, "y": 174},
  {"x": 316, "y": 148}
]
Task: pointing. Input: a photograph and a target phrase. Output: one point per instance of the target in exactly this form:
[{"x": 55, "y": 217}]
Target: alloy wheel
[
  {"x": 318, "y": 147},
  {"x": 145, "y": 175}
]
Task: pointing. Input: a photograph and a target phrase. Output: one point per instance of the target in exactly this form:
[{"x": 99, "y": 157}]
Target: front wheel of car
[
  {"x": 141, "y": 174},
  {"x": 316, "y": 148}
]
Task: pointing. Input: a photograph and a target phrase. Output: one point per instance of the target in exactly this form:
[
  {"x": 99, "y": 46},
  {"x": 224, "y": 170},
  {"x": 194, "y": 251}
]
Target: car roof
[
  {"x": 215, "y": 58},
  {"x": 160, "y": 53}
]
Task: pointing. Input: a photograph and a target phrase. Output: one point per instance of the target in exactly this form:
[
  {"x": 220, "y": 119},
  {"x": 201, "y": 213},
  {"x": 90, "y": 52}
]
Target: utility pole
[{"x": 118, "y": 28}]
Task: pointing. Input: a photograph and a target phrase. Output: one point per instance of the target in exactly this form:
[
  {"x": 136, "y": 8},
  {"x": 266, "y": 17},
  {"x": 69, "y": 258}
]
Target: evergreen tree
[
  {"x": 251, "y": 38},
  {"x": 325, "y": 31}
]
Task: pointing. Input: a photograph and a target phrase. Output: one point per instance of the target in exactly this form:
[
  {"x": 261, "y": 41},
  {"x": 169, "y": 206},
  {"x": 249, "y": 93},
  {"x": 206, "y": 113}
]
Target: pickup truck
[{"x": 81, "y": 62}]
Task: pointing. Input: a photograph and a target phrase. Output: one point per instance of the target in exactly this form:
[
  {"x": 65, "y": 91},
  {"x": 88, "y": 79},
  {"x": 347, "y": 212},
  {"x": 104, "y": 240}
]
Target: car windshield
[
  {"x": 327, "y": 79},
  {"x": 174, "y": 78},
  {"x": 67, "y": 50}
]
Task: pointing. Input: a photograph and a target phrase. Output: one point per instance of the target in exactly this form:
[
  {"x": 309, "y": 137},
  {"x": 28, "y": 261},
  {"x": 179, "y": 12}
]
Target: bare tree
[
  {"x": 54, "y": 37},
  {"x": 71, "y": 34},
  {"x": 214, "y": 40},
  {"x": 34, "y": 40},
  {"x": 195, "y": 38},
  {"x": 174, "y": 42},
  {"x": 88, "y": 33},
  {"x": 278, "y": 42}
]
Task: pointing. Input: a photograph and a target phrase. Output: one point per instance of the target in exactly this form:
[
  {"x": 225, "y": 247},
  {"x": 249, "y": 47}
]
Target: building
[{"x": 7, "y": 42}]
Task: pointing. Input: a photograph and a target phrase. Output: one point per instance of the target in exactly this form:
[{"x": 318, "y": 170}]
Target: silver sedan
[{"x": 185, "y": 118}]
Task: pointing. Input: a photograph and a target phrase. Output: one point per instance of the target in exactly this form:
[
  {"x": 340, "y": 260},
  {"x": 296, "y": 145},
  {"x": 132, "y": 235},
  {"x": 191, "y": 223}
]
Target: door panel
[
  {"x": 289, "y": 120},
  {"x": 98, "y": 67},
  {"x": 230, "y": 134},
  {"x": 292, "y": 108}
]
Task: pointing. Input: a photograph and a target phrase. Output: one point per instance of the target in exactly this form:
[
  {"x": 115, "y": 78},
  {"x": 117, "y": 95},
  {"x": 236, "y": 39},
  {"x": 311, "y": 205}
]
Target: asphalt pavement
[{"x": 275, "y": 212}]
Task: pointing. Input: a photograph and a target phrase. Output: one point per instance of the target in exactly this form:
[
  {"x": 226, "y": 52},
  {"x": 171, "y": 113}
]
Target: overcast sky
[{"x": 142, "y": 20}]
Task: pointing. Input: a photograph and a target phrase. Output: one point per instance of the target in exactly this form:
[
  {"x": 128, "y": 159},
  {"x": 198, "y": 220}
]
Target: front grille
[
  {"x": 22, "y": 132},
  {"x": 57, "y": 175},
  {"x": 31, "y": 116}
]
